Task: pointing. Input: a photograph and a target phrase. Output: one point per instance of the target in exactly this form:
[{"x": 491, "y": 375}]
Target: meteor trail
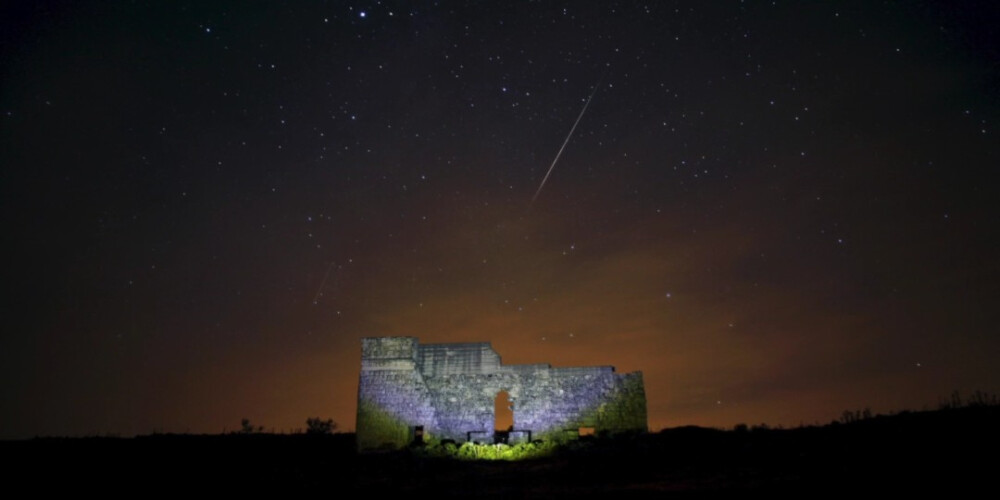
[
  {"x": 570, "y": 134},
  {"x": 319, "y": 291}
]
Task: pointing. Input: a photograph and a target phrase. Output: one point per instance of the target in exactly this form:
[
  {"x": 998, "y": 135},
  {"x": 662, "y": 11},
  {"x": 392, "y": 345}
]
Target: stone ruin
[{"x": 411, "y": 392}]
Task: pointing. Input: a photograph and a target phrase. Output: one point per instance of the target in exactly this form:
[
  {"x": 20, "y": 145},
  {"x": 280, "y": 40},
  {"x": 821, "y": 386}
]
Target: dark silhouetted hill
[{"x": 951, "y": 451}]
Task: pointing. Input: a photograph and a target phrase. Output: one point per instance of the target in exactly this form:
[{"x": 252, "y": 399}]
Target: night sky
[{"x": 776, "y": 211}]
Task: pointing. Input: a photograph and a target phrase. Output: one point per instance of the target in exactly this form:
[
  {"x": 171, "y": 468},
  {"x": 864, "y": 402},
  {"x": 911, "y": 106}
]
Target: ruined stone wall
[
  {"x": 438, "y": 360},
  {"x": 392, "y": 394},
  {"x": 450, "y": 390}
]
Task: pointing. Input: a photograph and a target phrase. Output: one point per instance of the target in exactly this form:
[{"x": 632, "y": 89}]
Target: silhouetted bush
[
  {"x": 315, "y": 425},
  {"x": 247, "y": 428}
]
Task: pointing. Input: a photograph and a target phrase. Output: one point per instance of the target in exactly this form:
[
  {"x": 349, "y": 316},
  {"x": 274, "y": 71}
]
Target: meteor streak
[
  {"x": 319, "y": 291},
  {"x": 570, "y": 134}
]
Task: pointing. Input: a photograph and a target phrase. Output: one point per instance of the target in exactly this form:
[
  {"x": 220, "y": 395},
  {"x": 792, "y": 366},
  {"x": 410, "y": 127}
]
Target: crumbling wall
[
  {"x": 449, "y": 390},
  {"x": 392, "y": 395}
]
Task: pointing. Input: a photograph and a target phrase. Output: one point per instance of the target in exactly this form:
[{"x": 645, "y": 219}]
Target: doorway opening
[{"x": 503, "y": 421}]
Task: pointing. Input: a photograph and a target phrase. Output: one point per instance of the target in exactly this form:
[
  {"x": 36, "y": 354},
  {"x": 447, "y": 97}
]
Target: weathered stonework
[{"x": 448, "y": 391}]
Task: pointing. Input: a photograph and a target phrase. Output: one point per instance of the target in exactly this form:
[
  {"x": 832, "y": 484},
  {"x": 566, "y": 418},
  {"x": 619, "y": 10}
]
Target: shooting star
[
  {"x": 568, "y": 136},
  {"x": 319, "y": 291}
]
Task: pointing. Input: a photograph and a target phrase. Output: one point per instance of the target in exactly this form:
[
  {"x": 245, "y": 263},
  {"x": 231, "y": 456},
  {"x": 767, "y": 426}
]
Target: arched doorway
[{"x": 503, "y": 421}]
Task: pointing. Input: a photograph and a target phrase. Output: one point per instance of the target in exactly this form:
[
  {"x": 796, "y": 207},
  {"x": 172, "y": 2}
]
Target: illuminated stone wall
[{"x": 450, "y": 390}]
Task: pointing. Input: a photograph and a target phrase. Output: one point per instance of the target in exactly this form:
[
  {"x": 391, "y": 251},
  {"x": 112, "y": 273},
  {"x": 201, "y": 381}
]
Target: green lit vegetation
[{"x": 474, "y": 451}]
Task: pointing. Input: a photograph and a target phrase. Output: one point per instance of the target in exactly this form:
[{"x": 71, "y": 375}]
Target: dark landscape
[{"x": 948, "y": 450}]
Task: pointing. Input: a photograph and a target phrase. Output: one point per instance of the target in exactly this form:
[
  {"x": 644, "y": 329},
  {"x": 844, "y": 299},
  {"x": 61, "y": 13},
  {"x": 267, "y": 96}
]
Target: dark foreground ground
[{"x": 949, "y": 451}]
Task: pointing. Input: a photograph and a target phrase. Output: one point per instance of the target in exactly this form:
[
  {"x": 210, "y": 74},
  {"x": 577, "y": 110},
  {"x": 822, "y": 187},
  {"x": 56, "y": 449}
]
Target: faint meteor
[
  {"x": 319, "y": 291},
  {"x": 568, "y": 136}
]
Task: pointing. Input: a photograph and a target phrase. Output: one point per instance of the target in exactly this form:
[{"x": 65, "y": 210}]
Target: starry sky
[{"x": 775, "y": 210}]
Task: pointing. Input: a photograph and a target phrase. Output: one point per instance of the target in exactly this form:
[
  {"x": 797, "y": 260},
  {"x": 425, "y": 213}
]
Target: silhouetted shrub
[
  {"x": 247, "y": 428},
  {"x": 315, "y": 425}
]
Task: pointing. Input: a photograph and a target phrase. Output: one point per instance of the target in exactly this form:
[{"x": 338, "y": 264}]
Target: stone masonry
[{"x": 448, "y": 391}]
